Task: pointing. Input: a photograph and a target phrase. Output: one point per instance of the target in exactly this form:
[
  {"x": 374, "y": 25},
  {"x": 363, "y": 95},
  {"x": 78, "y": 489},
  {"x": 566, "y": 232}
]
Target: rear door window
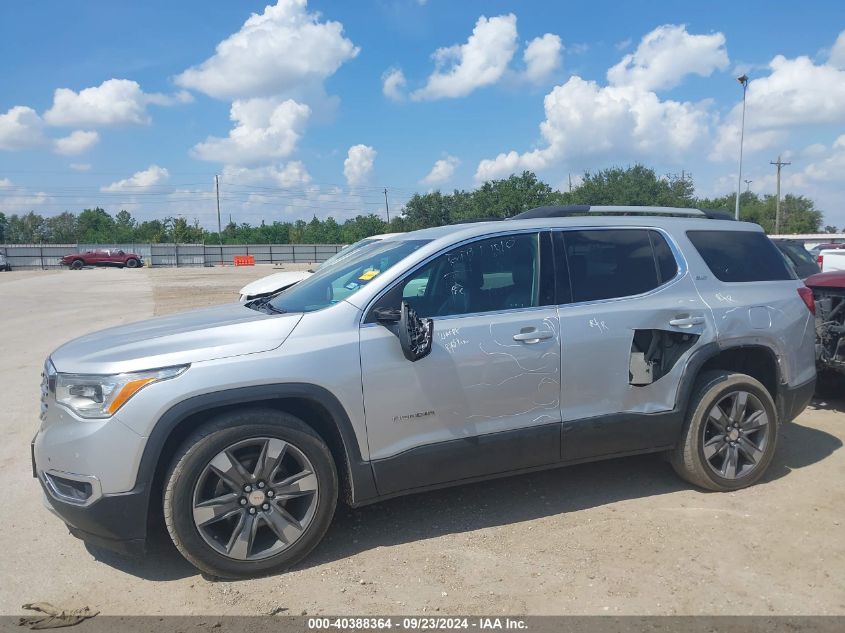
[
  {"x": 740, "y": 256},
  {"x": 607, "y": 264}
]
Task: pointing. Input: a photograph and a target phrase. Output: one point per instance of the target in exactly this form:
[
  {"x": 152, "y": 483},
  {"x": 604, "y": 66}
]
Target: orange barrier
[{"x": 244, "y": 260}]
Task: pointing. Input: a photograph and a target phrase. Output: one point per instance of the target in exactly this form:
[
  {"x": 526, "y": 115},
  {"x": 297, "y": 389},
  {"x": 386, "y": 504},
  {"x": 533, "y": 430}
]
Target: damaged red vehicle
[
  {"x": 102, "y": 257},
  {"x": 829, "y": 293}
]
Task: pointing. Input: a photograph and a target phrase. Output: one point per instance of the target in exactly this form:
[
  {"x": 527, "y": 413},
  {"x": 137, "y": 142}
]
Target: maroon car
[
  {"x": 829, "y": 293},
  {"x": 102, "y": 257}
]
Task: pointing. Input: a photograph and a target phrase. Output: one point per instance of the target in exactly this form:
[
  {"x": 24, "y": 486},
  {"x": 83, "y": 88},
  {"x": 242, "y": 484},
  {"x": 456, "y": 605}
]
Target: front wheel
[
  {"x": 249, "y": 494},
  {"x": 731, "y": 433},
  {"x": 132, "y": 263},
  {"x": 77, "y": 264}
]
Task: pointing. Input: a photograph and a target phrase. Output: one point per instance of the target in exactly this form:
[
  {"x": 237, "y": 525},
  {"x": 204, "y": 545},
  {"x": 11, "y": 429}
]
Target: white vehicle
[
  {"x": 271, "y": 284},
  {"x": 831, "y": 259}
]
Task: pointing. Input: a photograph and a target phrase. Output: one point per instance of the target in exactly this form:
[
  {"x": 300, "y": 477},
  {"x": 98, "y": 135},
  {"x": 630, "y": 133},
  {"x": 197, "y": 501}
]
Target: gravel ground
[{"x": 617, "y": 537}]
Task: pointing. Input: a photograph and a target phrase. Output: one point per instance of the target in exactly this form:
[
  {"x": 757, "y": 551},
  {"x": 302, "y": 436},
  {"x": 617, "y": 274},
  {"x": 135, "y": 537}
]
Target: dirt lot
[{"x": 619, "y": 537}]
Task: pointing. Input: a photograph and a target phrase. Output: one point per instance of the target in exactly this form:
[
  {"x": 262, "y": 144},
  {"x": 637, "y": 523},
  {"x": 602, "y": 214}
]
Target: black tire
[
  {"x": 190, "y": 462},
  {"x": 77, "y": 264},
  {"x": 132, "y": 263},
  {"x": 688, "y": 457}
]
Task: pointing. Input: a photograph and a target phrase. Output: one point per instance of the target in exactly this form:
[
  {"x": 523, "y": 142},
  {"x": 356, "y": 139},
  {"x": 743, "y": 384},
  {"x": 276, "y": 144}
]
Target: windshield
[
  {"x": 345, "y": 277},
  {"x": 347, "y": 250}
]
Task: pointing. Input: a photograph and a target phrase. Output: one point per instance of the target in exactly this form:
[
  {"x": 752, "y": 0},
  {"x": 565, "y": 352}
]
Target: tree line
[{"x": 636, "y": 185}]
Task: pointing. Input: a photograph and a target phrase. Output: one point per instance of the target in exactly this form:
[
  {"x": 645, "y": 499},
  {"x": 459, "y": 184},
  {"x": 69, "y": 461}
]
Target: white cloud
[
  {"x": 836, "y": 58},
  {"x": 359, "y": 164},
  {"x": 796, "y": 93},
  {"x": 585, "y": 119},
  {"x": 273, "y": 53},
  {"x": 831, "y": 167},
  {"x": 113, "y": 102},
  {"x": 442, "y": 171},
  {"x": 5, "y": 183},
  {"x": 141, "y": 180},
  {"x": 264, "y": 129},
  {"x": 20, "y": 128},
  {"x": 76, "y": 142},
  {"x": 291, "y": 174},
  {"x": 542, "y": 57},
  {"x": 666, "y": 55},
  {"x": 393, "y": 84},
  {"x": 482, "y": 61},
  {"x": 80, "y": 166}
]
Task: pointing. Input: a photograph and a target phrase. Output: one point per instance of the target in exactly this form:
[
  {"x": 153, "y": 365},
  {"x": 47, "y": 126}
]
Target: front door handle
[
  {"x": 686, "y": 321},
  {"x": 532, "y": 335}
]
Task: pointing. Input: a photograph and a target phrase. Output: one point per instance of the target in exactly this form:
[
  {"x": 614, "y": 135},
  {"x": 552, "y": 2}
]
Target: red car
[
  {"x": 103, "y": 257},
  {"x": 829, "y": 293}
]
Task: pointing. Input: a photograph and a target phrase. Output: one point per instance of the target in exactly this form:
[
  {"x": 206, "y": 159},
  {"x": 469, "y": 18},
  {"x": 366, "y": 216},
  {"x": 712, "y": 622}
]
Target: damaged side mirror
[{"x": 415, "y": 334}]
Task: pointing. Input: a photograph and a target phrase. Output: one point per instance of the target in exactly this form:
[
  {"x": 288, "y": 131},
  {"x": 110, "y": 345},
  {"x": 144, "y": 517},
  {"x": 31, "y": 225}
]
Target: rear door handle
[
  {"x": 532, "y": 335},
  {"x": 687, "y": 321}
]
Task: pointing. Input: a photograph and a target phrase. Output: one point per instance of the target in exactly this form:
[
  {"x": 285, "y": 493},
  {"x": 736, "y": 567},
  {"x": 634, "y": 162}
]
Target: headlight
[{"x": 97, "y": 396}]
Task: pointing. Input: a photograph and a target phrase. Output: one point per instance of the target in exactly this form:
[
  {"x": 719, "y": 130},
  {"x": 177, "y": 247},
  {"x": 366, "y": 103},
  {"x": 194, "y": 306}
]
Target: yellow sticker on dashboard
[{"x": 368, "y": 274}]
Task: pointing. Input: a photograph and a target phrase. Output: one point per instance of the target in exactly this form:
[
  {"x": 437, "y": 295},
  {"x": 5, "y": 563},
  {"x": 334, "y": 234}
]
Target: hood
[
  {"x": 219, "y": 332},
  {"x": 274, "y": 282},
  {"x": 833, "y": 279}
]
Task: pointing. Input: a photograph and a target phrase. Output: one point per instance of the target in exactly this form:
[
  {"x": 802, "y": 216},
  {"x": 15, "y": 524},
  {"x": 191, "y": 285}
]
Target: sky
[{"x": 307, "y": 108}]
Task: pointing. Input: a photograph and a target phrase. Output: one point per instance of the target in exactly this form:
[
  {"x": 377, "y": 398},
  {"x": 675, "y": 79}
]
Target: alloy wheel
[
  {"x": 255, "y": 498},
  {"x": 735, "y": 435}
]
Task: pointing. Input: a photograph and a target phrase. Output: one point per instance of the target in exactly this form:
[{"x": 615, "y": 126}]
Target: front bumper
[{"x": 117, "y": 522}]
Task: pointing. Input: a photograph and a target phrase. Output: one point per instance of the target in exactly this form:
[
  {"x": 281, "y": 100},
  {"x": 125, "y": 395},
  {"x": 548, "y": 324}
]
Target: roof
[{"x": 642, "y": 219}]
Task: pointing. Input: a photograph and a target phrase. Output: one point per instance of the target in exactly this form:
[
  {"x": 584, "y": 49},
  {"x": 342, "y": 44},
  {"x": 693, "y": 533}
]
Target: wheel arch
[
  {"x": 316, "y": 406},
  {"x": 754, "y": 359}
]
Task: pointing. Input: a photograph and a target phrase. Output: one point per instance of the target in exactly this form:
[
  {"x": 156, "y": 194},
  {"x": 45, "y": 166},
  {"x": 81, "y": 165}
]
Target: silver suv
[{"x": 437, "y": 357}]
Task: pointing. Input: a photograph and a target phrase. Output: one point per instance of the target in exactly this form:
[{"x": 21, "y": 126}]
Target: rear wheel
[
  {"x": 731, "y": 434},
  {"x": 250, "y": 494},
  {"x": 77, "y": 264}
]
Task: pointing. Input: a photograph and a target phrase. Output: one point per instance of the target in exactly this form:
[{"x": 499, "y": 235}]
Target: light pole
[
  {"x": 743, "y": 80},
  {"x": 747, "y": 185}
]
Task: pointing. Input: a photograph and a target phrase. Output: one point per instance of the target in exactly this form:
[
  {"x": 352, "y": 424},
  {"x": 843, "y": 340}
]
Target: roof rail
[
  {"x": 583, "y": 209},
  {"x": 474, "y": 220}
]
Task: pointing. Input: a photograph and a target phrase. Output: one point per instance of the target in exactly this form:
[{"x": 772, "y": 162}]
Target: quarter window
[{"x": 740, "y": 256}]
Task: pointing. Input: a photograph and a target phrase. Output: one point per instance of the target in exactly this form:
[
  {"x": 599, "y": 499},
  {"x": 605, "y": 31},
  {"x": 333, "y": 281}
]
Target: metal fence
[{"x": 44, "y": 256}]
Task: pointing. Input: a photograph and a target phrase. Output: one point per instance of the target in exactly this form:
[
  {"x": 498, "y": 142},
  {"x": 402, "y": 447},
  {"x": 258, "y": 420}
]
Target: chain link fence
[{"x": 46, "y": 256}]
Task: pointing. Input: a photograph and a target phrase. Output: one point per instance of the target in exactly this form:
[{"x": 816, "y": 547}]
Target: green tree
[
  {"x": 95, "y": 226},
  {"x": 62, "y": 228},
  {"x": 634, "y": 186}
]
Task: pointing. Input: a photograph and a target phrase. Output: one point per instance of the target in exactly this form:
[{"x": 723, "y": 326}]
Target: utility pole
[
  {"x": 747, "y": 185},
  {"x": 386, "y": 206},
  {"x": 570, "y": 183},
  {"x": 219, "y": 227},
  {"x": 743, "y": 80},
  {"x": 779, "y": 164}
]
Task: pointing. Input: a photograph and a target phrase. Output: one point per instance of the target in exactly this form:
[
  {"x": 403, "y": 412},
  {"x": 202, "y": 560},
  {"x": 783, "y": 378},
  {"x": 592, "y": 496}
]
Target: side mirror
[{"x": 415, "y": 334}]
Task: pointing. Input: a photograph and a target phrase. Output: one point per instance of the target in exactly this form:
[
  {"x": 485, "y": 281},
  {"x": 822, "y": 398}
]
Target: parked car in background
[
  {"x": 801, "y": 260},
  {"x": 277, "y": 282},
  {"x": 831, "y": 259},
  {"x": 429, "y": 359},
  {"x": 4, "y": 263},
  {"x": 102, "y": 257},
  {"x": 829, "y": 294}
]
